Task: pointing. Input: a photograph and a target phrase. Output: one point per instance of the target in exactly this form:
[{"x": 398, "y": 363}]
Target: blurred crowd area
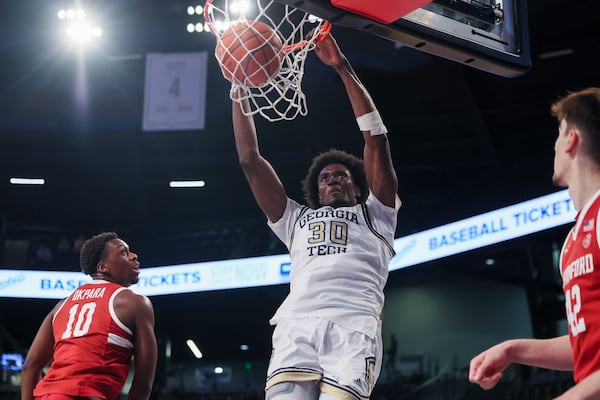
[
  {"x": 47, "y": 252},
  {"x": 50, "y": 249}
]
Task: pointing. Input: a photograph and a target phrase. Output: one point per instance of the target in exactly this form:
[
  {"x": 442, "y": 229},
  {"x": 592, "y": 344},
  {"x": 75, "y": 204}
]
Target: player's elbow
[
  {"x": 31, "y": 367},
  {"x": 249, "y": 160}
]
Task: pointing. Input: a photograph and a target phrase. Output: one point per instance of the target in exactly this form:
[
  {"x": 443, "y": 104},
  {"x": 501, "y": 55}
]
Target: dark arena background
[{"x": 466, "y": 139}]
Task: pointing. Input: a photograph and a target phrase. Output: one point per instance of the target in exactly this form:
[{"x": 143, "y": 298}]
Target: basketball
[{"x": 249, "y": 53}]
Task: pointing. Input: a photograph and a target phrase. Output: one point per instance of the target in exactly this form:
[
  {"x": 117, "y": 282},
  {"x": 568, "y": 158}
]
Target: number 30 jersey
[
  {"x": 340, "y": 259},
  {"x": 92, "y": 349},
  {"x": 581, "y": 285}
]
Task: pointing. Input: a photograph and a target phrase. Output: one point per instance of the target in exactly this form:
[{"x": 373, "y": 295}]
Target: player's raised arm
[
  {"x": 378, "y": 162},
  {"x": 264, "y": 182}
]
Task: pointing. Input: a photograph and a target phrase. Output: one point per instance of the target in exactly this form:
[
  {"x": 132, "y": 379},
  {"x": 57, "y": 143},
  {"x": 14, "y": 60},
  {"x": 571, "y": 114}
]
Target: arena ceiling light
[
  {"x": 82, "y": 32},
  {"x": 195, "y": 10},
  {"x": 195, "y": 350},
  {"x": 238, "y": 7},
  {"x": 27, "y": 181},
  {"x": 186, "y": 184},
  {"x": 77, "y": 27},
  {"x": 198, "y": 26}
]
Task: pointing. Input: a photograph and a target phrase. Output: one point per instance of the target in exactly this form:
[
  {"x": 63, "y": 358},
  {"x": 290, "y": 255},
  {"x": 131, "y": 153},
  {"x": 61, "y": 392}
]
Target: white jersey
[{"x": 340, "y": 259}]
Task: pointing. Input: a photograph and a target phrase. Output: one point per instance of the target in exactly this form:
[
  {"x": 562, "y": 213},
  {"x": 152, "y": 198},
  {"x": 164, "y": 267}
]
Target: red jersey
[
  {"x": 92, "y": 348},
  {"x": 581, "y": 285}
]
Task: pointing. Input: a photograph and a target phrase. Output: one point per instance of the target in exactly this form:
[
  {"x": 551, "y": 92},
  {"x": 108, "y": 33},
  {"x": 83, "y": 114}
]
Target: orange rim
[
  {"x": 323, "y": 32},
  {"x": 207, "y": 19}
]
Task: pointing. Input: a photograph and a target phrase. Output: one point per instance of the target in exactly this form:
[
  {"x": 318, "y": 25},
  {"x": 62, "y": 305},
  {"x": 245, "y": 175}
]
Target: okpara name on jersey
[{"x": 84, "y": 294}]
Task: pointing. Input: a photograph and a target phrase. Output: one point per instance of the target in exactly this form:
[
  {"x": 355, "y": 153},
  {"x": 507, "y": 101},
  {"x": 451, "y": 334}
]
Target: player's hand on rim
[{"x": 329, "y": 52}]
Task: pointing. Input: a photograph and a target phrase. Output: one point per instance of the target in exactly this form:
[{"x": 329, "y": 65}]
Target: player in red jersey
[
  {"x": 91, "y": 336},
  {"x": 576, "y": 166}
]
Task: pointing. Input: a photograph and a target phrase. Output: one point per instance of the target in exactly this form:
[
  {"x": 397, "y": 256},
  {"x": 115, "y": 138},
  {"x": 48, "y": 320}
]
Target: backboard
[{"x": 490, "y": 35}]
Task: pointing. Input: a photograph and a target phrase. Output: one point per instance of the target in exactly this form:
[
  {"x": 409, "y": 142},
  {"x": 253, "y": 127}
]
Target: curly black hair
[
  {"x": 92, "y": 251},
  {"x": 334, "y": 156}
]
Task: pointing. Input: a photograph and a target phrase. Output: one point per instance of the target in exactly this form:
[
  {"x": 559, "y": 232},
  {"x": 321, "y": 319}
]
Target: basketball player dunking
[{"x": 327, "y": 338}]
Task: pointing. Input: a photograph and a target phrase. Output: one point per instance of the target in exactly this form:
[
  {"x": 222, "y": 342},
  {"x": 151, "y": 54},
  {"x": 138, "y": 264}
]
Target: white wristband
[{"x": 372, "y": 122}]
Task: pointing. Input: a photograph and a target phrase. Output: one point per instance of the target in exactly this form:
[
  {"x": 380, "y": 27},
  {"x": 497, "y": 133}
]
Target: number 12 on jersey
[{"x": 573, "y": 306}]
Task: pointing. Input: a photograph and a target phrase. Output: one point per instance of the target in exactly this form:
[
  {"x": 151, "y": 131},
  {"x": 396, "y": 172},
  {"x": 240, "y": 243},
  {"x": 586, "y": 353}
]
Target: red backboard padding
[{"x": 385, "y": 11}]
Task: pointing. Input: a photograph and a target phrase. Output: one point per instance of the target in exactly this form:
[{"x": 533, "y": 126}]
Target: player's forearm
[
  {"x": 378, "y": 164},
  {"x": 143, "y": 376},
  {"x": 545, "y": 353},
  {"x": 28, "y": 382},
  {"x": 246, "y": 141},
  {"x": 357, "y": 93},
  {"x": 246, "y": 144},
  {"x": 140, "y": 390}
]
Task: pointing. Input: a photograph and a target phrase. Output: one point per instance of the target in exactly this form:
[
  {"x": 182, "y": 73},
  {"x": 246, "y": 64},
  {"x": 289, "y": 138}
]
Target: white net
[{"x": 280, "y": 97}]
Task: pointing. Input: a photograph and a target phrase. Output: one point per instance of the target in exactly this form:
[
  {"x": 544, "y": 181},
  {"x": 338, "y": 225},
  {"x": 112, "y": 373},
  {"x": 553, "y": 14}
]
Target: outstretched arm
[
  {"x": 486, "y": 368},
  {"x": 378, "y": 161},
  {"x": 264, "y": 182}
]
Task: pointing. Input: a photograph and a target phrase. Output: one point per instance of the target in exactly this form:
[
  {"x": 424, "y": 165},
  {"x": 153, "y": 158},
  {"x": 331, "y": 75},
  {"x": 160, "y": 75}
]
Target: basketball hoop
[{"x": 280, "y": 97}]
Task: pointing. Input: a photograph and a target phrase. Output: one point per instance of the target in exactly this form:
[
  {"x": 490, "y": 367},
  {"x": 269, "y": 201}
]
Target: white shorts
[{"x": 345, "y": 362}]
